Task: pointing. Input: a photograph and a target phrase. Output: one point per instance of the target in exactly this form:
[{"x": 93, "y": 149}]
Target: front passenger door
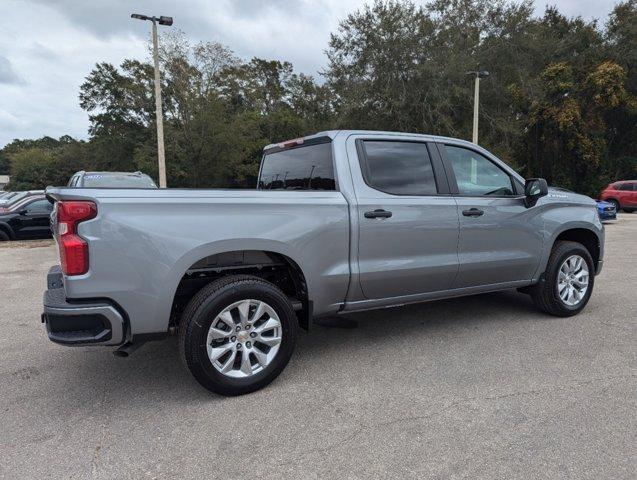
[
  {"x": 34, "y": 220},
  {"x": 500, "y": 240}
]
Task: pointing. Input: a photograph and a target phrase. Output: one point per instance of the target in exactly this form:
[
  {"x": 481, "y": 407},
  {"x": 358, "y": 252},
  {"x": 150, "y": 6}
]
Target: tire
[
  {"x": 545, "y": 293},
  {"x": 209, "y": 306},
  {"x": 616, "y": 203},
  {"x": 3, "y": 236}
]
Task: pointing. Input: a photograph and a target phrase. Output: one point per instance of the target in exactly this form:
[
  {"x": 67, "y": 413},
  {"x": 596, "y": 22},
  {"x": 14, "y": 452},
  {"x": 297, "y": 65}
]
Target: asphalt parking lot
[{"x": 480, "y": 387}]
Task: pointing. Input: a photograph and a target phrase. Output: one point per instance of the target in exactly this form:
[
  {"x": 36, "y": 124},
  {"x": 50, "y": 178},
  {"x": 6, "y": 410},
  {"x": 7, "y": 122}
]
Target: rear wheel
[
  {"x": 237, "y": 334},
  {"x": 568, "y": 281},
  {"x": 3, "y": 236},
  {"x": 616, "y": 203}
]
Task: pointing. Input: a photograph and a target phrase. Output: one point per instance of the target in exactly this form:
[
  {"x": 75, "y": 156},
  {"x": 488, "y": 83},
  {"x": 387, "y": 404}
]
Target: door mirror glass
[{"x": 534, "y": 189}]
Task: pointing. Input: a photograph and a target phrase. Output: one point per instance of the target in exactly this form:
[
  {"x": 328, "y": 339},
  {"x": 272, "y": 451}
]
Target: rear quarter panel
[{"x": 142, "y": 242}]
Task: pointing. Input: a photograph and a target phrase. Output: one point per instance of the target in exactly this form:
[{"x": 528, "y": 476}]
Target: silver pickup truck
[{"x": 340, "y": 221}]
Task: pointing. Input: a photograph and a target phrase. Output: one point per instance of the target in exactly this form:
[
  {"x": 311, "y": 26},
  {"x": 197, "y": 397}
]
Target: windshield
[{"x": 110, "y": 180}]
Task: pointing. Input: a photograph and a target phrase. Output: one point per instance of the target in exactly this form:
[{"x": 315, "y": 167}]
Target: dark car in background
[
  {"x": 622, "y": 194},
  {"x": 26, "y": 219},
  {"x": 111, "y": 180}
]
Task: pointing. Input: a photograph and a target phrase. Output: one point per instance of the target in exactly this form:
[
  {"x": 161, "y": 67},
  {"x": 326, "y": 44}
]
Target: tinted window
[
  {"x": 476, "y": 175},
  {"x": 103, "y": 180},
  {"x": 625, "y": 186},
  {"x": 39, "y": 206},
  {"x": 301, "y": 168},
  {"x": 401, "y": 168}
]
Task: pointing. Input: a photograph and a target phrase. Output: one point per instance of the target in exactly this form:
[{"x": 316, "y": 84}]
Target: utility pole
[
  {"x": 476, "y": 100},
  {"x": 161, "y": 156}
]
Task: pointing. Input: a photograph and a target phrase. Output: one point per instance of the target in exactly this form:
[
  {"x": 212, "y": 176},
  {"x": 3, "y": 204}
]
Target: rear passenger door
[
  {"x": 500, "y": 238},
  {"x": 408, "y": 222}
]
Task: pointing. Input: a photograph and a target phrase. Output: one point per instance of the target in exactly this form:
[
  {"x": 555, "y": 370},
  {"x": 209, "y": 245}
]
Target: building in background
[{"x": 4, "y": 179}]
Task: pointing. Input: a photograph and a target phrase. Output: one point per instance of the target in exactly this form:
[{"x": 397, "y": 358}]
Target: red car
[{"x": 622, "y": 194}]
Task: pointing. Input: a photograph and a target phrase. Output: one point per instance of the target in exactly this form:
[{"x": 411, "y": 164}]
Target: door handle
[
  {"x": 473, "y": 212},
  {"x": 379, "y": 213}
]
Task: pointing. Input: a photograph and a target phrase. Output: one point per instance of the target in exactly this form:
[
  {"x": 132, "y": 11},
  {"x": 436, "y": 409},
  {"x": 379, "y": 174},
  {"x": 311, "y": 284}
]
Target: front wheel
[
  {"x": 568, "y": 281},
  {"x": 237, "y": 334}
]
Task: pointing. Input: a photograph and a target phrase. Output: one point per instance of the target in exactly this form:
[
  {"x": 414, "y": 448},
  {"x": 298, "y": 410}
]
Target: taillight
[{"x": 73, "y": 248}]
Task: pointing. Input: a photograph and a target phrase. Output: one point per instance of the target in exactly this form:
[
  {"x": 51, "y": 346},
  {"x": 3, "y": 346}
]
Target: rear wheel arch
[{"x": 274, "y": 267}]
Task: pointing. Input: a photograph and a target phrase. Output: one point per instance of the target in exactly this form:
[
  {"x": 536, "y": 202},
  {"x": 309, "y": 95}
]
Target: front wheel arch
[{"x": 585, "y": 237}]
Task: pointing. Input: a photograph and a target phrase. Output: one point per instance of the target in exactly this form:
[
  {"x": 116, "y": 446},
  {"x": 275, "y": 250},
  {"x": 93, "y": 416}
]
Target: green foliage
[
  {"x": 36, "y": 164},
  {"x": 561, "y": 100}
]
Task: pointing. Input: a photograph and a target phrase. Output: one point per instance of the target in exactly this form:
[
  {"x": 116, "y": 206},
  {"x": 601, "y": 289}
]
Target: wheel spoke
[
  {"x": 218, "y": 352},
  {"x": 269, "y": 324},
  {"x": 261, "y": 357},
  {"x": 227, "y": 366},
  {"x": 244, "y": 309},
  {"x": 218, "y": 334},
  {"x": 246, "y": 367},
  {"x": 226, "y": 318},
  {"x": 269, "y": 341},
  {"x": 258, "y": 313}
]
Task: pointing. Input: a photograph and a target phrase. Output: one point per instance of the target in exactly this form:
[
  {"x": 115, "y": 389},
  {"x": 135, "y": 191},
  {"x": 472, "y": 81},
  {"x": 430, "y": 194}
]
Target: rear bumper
[{"x": 80, "y": 322}]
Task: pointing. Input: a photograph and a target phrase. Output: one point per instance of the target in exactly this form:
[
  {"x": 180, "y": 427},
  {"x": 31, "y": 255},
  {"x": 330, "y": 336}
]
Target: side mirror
[
  {"x": 24, "y": 211},
  {"x": 534, "y": 189}
]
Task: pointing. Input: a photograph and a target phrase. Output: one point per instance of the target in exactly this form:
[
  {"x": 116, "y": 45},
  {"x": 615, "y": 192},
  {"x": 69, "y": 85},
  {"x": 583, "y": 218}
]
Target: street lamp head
[
  {"x": 167, "y": 21},
  {"x": 479, "y": 73}
]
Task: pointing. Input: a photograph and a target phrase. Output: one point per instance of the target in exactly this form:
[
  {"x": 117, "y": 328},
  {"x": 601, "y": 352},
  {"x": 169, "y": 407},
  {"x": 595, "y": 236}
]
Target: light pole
[
  {"x": 168, "y": 21},
  {"x": 476, "y": 100}
]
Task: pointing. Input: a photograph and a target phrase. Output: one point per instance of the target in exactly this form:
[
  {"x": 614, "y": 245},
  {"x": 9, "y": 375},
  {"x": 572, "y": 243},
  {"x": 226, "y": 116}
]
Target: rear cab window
[{"x": 308, "y": 166}]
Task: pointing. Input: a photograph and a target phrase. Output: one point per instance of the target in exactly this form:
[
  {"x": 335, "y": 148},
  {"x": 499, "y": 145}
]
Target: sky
[{"x": 48, "y": 47}]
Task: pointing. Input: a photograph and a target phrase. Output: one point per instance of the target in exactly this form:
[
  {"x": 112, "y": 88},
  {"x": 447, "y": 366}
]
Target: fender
[{"x": 554, "y": 226}]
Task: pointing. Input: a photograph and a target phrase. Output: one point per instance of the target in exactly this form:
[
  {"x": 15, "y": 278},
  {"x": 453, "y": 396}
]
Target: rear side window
[
  {"x": 302, "y": 168},
  {"x": 625, "y": 186},
  {"x": 399, "y": 168}
]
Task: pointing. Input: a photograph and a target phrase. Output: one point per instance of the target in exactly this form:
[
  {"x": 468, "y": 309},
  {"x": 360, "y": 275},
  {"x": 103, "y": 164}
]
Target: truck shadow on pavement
[{"x": 155, "y": 374}]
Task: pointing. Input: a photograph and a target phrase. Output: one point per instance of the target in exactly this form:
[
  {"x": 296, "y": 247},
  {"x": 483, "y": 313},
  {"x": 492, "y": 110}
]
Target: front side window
[
  {"x": 476, "y": 175},
  {"x": 399, "y": 168},
  {"x": 308, "y": 167}
]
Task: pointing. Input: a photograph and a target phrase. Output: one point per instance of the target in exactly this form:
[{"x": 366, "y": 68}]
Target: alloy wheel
[
  {"x": 572, "y": 280},
  {"x": 244, "y": 338}
]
